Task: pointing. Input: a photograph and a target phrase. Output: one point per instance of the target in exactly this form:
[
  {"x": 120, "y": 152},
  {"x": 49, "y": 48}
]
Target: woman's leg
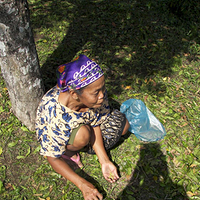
[
  {"x": 112, "y": 129},
  {"x": 81, "y": 139},
  {"x": 126, "y": 127}
]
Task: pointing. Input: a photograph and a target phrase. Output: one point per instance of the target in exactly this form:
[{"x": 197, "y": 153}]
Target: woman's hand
[
  {"x": 109, "y": 172},
  {"x": 90, "y": 192}
]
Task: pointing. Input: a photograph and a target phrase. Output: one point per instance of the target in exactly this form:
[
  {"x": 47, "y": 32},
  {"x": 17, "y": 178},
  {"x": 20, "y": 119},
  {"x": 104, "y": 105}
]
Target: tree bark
[{"x": 19, "y": 61}]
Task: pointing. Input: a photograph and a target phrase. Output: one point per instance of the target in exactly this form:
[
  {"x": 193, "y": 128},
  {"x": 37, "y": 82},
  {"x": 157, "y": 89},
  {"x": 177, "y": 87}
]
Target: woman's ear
[{"x": 73, "y": 94}]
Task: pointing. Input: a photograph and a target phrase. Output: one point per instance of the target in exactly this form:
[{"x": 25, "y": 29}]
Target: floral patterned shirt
[{"x": 55, "y": 122}]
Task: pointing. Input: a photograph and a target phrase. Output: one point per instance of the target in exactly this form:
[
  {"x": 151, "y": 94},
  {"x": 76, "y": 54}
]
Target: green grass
[{"x": 148, "y": 53}]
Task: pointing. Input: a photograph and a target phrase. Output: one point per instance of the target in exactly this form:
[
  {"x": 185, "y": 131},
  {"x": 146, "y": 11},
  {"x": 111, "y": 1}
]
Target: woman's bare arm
[
  {"x": 108, "y": 168},
  {"x": 87, "y": 189}
]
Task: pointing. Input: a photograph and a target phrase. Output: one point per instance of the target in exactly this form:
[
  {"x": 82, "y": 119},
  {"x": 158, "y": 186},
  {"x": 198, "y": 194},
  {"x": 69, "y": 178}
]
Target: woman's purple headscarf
[{"x": 77, "y": 74}]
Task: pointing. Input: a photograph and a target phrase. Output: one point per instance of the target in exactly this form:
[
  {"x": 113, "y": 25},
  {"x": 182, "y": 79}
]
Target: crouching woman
[{"x": 75, "y": 114}]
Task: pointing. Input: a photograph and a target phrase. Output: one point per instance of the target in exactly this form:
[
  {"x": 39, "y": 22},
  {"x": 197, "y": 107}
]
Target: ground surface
[{"x": 148, "y": 52}]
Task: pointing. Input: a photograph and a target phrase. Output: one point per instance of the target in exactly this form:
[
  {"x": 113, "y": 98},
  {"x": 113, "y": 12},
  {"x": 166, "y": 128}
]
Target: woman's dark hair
[{"x": 80, "y": 91}]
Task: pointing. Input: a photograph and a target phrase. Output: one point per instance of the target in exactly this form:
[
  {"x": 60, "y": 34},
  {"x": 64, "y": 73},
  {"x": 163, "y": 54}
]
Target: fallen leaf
[
  {"x": 40, "y": 198},
  {"x": 193, "y": 165},
  {"x": 113, "y": 24},
  {"x": 197, "y": 91},
  {"x": 37, "y": 195},
  {"x": 138, "y": 147},
  {"x": 190, "y": 194},
  {"x": 9, "y": 186},
  {"x": 176, "y": 162},
  {"x": 165, "y": 27},
  {"x": 20, "y": 157},
  {"x": 185, "y": 124},
  {"x": 50, "y": 188},
  {"x": 184, "y": 40},
  {"x": 12, "y": 144},
  {"x": 165, "y": 78},
  {"x": 24, "y": 128},
  {"x": 1, "y": 150},
  {"x": 145, "y": 98},
  {"x": 155, "y": 178},
  {"x": 128, "y": 177},
  {"x": 141, "y": 182},
  {"x": 128, "y": 87},
  {"x": 185, "y": 117}
]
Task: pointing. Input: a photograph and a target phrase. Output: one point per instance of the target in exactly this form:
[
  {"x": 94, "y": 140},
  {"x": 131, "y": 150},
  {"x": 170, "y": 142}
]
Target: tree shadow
[
  {"x": 150, "y": 179},
  {"x": 129, "y": 39}
]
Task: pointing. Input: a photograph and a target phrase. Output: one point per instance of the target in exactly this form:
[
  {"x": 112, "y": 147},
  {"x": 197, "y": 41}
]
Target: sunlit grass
[{"x": 146, "y": 53}]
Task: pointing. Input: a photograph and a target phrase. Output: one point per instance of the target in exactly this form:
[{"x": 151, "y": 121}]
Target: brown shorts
[{"x": 73, "y": 134}]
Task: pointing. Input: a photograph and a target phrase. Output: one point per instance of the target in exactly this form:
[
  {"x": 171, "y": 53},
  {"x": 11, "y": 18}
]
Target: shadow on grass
[
  {"x": 150, "y": 179},
  {"x": 129, "y": 39},
  {"x": 93, "y": 181}
]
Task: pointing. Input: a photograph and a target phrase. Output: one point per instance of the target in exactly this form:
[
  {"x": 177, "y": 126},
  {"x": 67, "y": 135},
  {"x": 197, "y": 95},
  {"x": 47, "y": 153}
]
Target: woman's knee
[
  {"x": 82, "y": 137},
  {"x": 126, "y": 127}
]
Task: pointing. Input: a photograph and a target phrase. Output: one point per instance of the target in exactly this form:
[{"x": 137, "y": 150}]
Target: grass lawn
[{"x": 147, "y": 52}]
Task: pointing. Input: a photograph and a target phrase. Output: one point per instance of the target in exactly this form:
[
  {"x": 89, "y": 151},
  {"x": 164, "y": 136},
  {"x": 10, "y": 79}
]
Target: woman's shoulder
[
  {"x": 48, "y": 101},
  {"x": 51, "y": 95}
]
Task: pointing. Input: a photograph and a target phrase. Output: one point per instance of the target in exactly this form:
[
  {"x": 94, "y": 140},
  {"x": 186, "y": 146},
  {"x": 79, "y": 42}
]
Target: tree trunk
[{"x": 19, "y": 61}]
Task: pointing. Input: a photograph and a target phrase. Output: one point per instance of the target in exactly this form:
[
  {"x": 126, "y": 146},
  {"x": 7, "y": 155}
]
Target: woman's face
[{"x": 93, "y": 95}]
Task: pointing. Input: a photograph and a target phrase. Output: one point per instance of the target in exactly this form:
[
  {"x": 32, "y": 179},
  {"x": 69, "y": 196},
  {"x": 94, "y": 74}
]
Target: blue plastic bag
[{"x": 143, "y": 123}]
